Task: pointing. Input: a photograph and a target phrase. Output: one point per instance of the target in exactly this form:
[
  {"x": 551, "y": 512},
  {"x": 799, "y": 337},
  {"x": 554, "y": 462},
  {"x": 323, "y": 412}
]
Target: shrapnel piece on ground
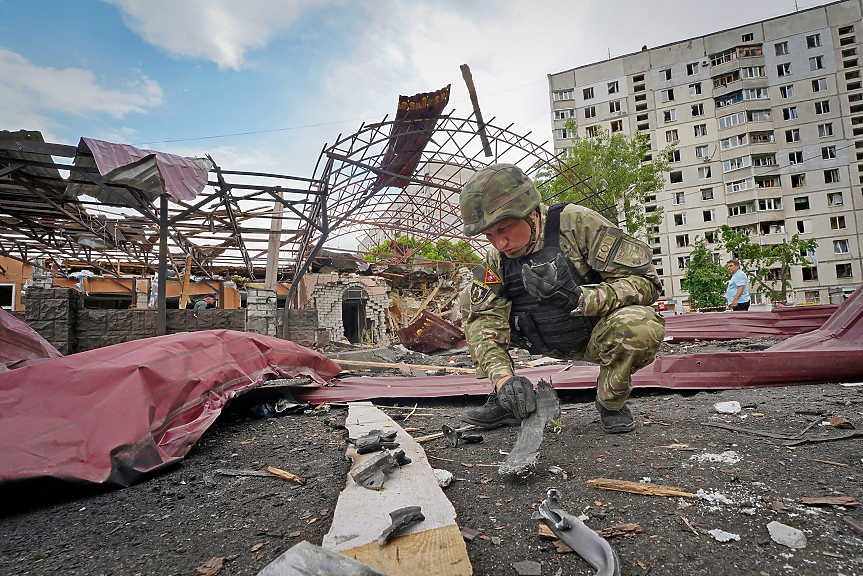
[
  {"x": 371, "y": 474},
  {"x": 305, "y": 558},
  {"x": 401, "y": 518},
  {"x": 522, "y": 458},
  {"x": 453, "y": 436}
]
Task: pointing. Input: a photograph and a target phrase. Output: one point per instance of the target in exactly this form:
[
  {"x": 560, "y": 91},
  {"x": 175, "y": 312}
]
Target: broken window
[
  {"x": 704, "y": 173},
  {"x": 698, "y": 109},
  {"x": 729, "y": 121},
  {"x": 692, "y": 69},
  {"x": 834, "y": 199},
  {"x": 564, "y": 114},
  {"x": 786, "y": 91},
  {"x": 676, "y": 177},
  {"x": 709, "y": 215},
  {"x": 674, "y": 156},
  {"x": 840, "y": 246},
  {"x": 707, "y": 193},
  {"x": 667, "y": 95},
  {"x": 837, "y": 222},
  {"x": 783, "y": 69},
  {"x": 819, "y": 85},
  {"x": 612, "y": 87},
  {"x": 669, "y": 115},
  {"x": 792, "y": 135},
  {"x": 737, "y": 210},
  {"x": 798, "y": 180},
  {"x": 682, "y": 261},
  {"x": 671, "y": 135},
  {"x": 801, "y": 203},
  {"x": 590, "y": 131},
  {"x": 825, "y": 130},
  {"x": 781, "y": 48},
  {"x": 813, "y": 41},
  {"x": 678, "y": 197},
  {"x": 700, "y": 130},
  {"x": 695, "y": 89},
  {"x": 562, "y": 133},
  {"x": 810, "y": 274},
  {"x": 665, "y": 75},
  {"x": 590, "y": 112},
  {"x": 843, "y": 271},
  {"x": 831, "y": 176},
  {"x": 680, "y": 219},
  {"x": 617, "y": 126},
  {"x": 682, "y": 240},
  {"x": 795, "y": 157},
  {"x": 587, "y": 93},
  {"x": 816, "y": 63},
  {"x": 789, "y": 113},
  {"x": 702, "y": 152},
  {"x": 770, "y": 204},
  {"x": 822, "y": 107},
  {"x": 614, "y": 106}
]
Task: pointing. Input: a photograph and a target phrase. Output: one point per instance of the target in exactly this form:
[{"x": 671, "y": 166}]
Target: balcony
[
  {"x": 719, "y": 91},
  {"x": 762, "y": 147},
  {"x": 725, "y": 67},
  {"x": 747, "y": 219},
  {"x": 737, "y": 197}
]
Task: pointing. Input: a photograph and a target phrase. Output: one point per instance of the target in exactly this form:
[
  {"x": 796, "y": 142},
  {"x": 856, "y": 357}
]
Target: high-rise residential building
[{"x": 768, "y": 124}]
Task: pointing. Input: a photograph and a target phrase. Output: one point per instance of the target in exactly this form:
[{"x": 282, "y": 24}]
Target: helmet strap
[{"x": 532, "y": 222}]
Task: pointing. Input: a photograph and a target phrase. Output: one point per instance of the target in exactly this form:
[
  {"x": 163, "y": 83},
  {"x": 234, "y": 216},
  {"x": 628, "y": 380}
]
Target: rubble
[{"x": 786, "y": 535}]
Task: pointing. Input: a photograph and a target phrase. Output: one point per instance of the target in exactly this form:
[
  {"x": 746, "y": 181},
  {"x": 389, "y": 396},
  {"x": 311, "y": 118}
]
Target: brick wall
[{"x": 327, "y": 299}]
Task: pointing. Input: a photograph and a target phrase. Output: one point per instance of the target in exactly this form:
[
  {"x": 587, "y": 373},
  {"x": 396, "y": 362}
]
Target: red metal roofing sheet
[
  {"x": 732, "y": 325},
  {"x": 20, "y": 345},
  {"x": 182, "y": 178},
  {"x": 109, "y": 415}
]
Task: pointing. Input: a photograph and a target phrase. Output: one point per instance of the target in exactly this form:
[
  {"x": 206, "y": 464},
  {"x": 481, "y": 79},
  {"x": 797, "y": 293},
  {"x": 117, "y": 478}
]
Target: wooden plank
[
  {"x": 363, "y": 364},
  {"x": 639, "y": 487},
  {"x": 425, "y": 303},
  {"x": 184, "y": 294},
  {"x": 20, "y": 145},
  {"x": 434, "y": 546}
]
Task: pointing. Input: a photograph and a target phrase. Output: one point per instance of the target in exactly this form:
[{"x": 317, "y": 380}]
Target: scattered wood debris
[
  {"x": 285, "y": 475},
  {"x": 829, "y": 501},
  {"x": 211, "y": 567},
  {"x": 628, "y": 529},
  {"x": 841, "y": 422},
  {"x": 639, "y": 487}
]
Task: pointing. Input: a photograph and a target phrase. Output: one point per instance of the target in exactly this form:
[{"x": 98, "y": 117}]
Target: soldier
[{"x": 561, "y": 281}]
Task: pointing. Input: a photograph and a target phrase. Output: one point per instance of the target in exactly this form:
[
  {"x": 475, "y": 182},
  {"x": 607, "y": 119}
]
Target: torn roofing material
[
  {"x": 154, "y": 173},
  {"x": 20, "y": 345},
  {"x": 112, "y": 414},
  {"x": 786, "y": 321},
  {"x": 832, "y": 353}
]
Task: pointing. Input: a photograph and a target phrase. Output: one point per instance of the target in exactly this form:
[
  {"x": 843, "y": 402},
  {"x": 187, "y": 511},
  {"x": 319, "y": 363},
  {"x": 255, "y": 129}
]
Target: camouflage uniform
[{"x": 625, "y": 339}]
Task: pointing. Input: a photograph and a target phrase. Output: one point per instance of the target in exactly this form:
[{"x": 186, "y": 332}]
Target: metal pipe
[{"x": 161, "y": 311}]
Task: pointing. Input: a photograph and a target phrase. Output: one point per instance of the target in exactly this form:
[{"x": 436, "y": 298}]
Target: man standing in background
[{"x": 737, "y": 293}]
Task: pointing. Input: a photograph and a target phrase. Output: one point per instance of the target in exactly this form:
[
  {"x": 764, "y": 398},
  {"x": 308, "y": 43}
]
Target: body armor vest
[{"x": 543, "y": 327}]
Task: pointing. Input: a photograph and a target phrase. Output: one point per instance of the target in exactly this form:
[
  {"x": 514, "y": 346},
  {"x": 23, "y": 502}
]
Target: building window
[
  {"x": 564, "y": 114},
  {"x": 704, "y": 173},
  {"x": 813, "y": 41},
  {"x": 702, "y": 152},
  {"x": 825, "y": 130},
  {"x": 612, "y": 87},
  {"x": 700, "y": 130},
  {"x": 692, "y": 69},
  {"x": 682, "y": 261},
  {"x": 680, "y": 219},
  {"x": 695, "y": 89},
  {"x": 801, "y": 203},
  {"x": 739, "y": 185},
  {"x": 819, "y": 85},
  {"x": 736, "y": 163},
  {"x": 734, "y": 141},
  {"x": 764, "y": 161},
  {"x": 783, "y": 69},
  {"x": 834, "y": 199},
  {"x": 698, "y": 109},
  {"x": 770, "y": 204},
  {"x": 792, "y": 135},
  {"x": 674, "y": 156},
  {"x": 737, "y": 210},
  {"x": 669, "y": 115},
  {"x": 665, "y": 75},
  {"x": 729, "y": 121},
  {"x": 831, "y": 176},
  {"x": 590, "y": 112},
  {"x": 562, "y": 133},
  {"x": 795, "y": 157},
  {"x": 747, "y": 37},
  {"x": 822, "y": 107},
  {"x": 781, "y": 48},
  {"x": 786, "y": 91},
  {"x": 816, "y": 63},
  {"x": 588, "y": 93},
  {"x": 789, "y": 113},
  {"x": 562, "y": 94},
  {"x": 804, "y": 226},
  {"x": 759, "y": 116},
  {"x": 837, "y": 222},
  {"x": 753, "y": 72},
  {"x": 755, "y": 94},
  {"x": 671, "y": 135},
  {"x": 590, "y": 131},
  {"x": 614, "y": 106},
  {"x": 843, "y": 270},
  {"x": 811, "y": 274},
  {"x": 840, "y": 246},
  {"x": 676, "y": 177},
  {"x": 846, "y": 30},
  {"x": 617, "y": 126},
  {"x": 709, "y": 215},
  {"x": 668, "y": 95},
  {"x": 707, "y": 193},
  {"x": 798, "y": 180},
  {"x": 678, "y": 198},
  {"x": 682, "y": 240},
  {"x": 828, "y": 152}
]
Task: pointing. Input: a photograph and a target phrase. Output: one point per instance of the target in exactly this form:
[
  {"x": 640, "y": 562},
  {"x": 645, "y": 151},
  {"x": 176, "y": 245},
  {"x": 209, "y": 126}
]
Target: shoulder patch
[
  {"x": 484, "y": 274},
  {"x": 491, "y": 277},
  {"x": 479, "y": 291}
]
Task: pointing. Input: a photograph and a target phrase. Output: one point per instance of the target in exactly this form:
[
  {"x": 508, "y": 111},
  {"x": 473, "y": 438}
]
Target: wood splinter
[{"x": 285, "y": 475}]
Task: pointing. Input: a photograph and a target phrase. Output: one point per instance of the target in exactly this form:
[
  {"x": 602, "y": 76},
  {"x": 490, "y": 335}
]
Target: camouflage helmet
[{"x": 495, "y": 193}]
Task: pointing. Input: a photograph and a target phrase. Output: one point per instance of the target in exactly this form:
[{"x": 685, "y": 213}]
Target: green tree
[
  {"x": 443, "y": 249},
  {"x": 614, "y": 164},
  {"x": 705, "y": 280},
  {"x": 759, "y": 261}
]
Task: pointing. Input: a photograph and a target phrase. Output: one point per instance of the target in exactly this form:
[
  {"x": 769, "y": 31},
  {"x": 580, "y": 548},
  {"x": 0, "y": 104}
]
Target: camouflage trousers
[{"x": 621, "y": 343}]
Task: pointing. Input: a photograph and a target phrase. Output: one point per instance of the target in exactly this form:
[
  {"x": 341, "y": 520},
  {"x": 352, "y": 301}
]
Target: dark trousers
[{"x": 741, "y": 306}]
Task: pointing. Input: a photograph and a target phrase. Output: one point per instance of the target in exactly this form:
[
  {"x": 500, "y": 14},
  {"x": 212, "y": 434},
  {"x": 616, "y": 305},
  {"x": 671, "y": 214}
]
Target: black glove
[
  {"x": 517, "y": 396},
  {"x": 552, "y": 283}
]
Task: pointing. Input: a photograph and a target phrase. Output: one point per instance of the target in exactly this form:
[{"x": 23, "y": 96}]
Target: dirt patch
[{"x": 177, "y": 520}]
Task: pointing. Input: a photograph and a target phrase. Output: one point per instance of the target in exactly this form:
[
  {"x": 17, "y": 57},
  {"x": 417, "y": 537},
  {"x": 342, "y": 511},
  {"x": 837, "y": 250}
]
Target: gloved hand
[
  {"x": 552, "y": 283},
  {"x": 517, "y": 396}
]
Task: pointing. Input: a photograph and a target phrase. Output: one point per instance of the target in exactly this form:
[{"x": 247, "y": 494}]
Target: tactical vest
[{"x": 543, "y": 327}]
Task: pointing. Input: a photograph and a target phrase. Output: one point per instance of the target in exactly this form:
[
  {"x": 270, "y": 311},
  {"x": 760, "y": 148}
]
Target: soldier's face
[{"x": 509, "y": 236}]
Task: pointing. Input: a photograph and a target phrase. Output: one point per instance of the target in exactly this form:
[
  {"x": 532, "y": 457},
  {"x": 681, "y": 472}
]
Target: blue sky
[{"x": 168, "y": 74}]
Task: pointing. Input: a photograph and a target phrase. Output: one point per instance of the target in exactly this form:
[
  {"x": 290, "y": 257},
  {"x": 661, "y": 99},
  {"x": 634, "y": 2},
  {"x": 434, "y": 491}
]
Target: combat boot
[
  {"x": 490, "y": 415},
  {"x": 615, "y": 422}
]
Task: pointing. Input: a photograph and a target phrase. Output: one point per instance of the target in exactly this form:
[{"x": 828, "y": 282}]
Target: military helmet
[{"x": 495, "y": 193}]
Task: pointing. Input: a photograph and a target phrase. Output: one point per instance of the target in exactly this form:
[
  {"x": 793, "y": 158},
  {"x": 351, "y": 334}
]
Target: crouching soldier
[{"x": 561, "y": 281}]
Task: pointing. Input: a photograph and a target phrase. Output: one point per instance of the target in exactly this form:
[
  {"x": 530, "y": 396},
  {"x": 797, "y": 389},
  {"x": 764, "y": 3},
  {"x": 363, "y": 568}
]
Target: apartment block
[{"x": 767, "y": 120}]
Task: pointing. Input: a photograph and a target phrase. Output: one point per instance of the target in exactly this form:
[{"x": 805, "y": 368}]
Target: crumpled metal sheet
[
  {"x": 112, "y": 414},
  {"x": 786, "y": 321},
  {"x": 20, "y": 345},
  {"x": 430, "y": 333},
  {"x": 833, "y": 353},
  {"x": 154, "y": 173}
]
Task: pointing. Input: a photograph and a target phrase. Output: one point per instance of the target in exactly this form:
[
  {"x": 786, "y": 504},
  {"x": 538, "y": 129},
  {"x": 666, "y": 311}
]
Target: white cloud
[
  {"x": 218, "y": 30},
  {"x": 30, "y": 94}
]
